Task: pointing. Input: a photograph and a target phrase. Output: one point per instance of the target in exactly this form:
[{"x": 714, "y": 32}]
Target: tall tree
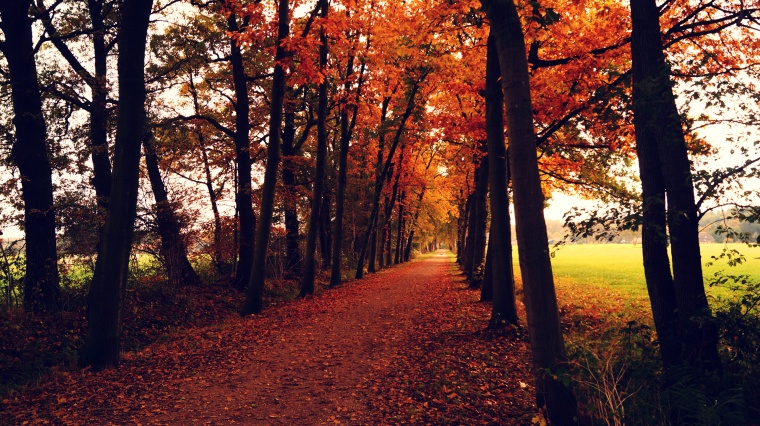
[
  {"x": 325, "y": 232},
  {"x": 243, "y": 197},
  {"x": 654, "y": 241},
  {"x": 463, "y": 225},
  {"x": 535, "y": 266},
  {"x": 502, "y": 286},
  {"x": 665, "y": 165},
  {"x": 486, "y": 287},
  {"x": 293, "y": 258},
  {"x": 29, "y": 153},
  {"x": 255, "y": 292},
  {"x": 307, "y": 284},
  {"x": 480, "y": 216},
  {"x": 400, "y": 223},
  {"x": 101, "y": 346},
  {"x": 346, "y": 132},
  {"x": 173, "y": 246}
]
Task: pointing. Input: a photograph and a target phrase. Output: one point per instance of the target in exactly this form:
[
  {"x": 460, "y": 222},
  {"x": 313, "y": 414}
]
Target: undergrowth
[
  {"x": 32, "y": 345},
  {"x": 619, "y": 379}
]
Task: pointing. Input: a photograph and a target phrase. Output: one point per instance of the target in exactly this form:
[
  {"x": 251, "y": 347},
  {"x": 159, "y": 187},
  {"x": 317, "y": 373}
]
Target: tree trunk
[
  {"x": 464, "y": 221},
  {"x": 340, "y": 196},
  {"x": 101, "y": 346},
  {"x": 399, "y": 229},
  {"x": 408, "y": 246},
  {"x": 480, "y": 218},
  {"x": 325, "y": 234},
  {"x": 346, "y": 130},
  {"x": 413, "y": 223},
  {"x": 661, "y": 145},
  {"x": 654, "y": 239},
  {"x": 469, "y": 242},
  {"x": 388, "y": 244},
  {"x": 390, "y": 202},
  {"x": 29, "y": 152},
  {"x": 502, "y": 291},
  {"x": 372, "y": 250},
  {"x": 255, "y": 292},
  {"x": 173, "y": 247},
  {"x": 382, "y": 257},
  {"x": 101, "y": 164},
  {"x": 99, "y": 115},
  {"x": 379, "y": 178},
  {"x": 535, "y": 265},
  {"x": 293, "y": 260},
  {"x": 243, "y": 196},
  {"x": 486, "y": 287},
  {"x": 307, "y": 285}
]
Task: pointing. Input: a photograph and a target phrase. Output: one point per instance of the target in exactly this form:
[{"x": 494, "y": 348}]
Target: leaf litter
[{"x": 407, "y": 345}]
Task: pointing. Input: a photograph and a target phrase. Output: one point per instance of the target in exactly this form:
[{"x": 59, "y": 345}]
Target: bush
[{"x": 738, "y": 318}]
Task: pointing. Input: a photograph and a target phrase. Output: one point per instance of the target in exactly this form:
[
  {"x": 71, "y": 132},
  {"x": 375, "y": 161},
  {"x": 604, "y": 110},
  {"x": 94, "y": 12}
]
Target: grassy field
[{"x": 618, "y": 268}]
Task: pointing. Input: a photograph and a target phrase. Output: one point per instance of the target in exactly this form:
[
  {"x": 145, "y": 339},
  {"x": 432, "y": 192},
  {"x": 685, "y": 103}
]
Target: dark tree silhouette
[
  {"x": 243, "y": 197},
  {"x": 307, "y": 284},
  {"x": 666, "y": 177},
  {"x": 255, "y": 292},
  {"x": 501, "y": 276},
  {"x": 29, "y": 153},
  {"x": 101, "y": 346},
  {"x": 535, "y": 266},
  {"x": 173, "y": 247}
]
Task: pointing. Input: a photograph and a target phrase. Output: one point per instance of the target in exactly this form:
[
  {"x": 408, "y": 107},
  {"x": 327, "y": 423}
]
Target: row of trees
[
  {"x": 200, "y": 101},
  {"x": 668, "y": 212},
  {"x": 368, "y": 128}
]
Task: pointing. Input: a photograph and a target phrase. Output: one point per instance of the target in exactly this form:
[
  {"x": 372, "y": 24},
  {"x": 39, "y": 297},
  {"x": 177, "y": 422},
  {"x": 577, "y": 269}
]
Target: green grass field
[{"x": 618, "y": 268}]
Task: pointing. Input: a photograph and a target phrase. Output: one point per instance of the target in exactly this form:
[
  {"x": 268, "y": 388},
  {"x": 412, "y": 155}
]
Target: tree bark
[
  {"x": 307, "y": 285},
  {"x": 464, "y": 221},
  {"x": 372, "y": 258},
  {"x": 469, "y": 241},
  {"x": 664, "y": 165},
  {"x": 325, "y": 234},
  {"x": 504, "y": 309},
  {"x": 42, "y": 291},
  {"x": 390, "y": 202},
  {"x": 243, "y": 196},
  {"x": 379, "y": 178},
  {"x": 408, "y": 246},
  {"x": 399, "y": 230},
  {"x": 346, "y": 131},
  {"x": 480, "y": 219},
  {"x": 255, "y": 292},
  {"x": 101, "y": 164},
  {"x": 535, "y": 265},
  {"x": 101, "y": 346},
  {"x": 173, "y": 247},
  {"x": 293, "y": 259},
  {"x": 486, "y": 287}
]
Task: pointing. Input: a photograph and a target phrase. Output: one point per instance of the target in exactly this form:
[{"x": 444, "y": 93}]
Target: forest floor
[{"x": 407, "y": 345}]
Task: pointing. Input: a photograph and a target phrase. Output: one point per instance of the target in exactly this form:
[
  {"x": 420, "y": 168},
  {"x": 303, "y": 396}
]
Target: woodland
[{"x": 175, "y": 164}]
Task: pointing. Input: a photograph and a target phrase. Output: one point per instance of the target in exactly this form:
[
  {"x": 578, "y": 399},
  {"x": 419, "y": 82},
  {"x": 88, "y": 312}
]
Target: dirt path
[{"x": 392, "y": 348}]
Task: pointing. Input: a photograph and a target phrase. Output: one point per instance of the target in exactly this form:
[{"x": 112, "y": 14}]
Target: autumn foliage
[{"x": 277, "y": 148}]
